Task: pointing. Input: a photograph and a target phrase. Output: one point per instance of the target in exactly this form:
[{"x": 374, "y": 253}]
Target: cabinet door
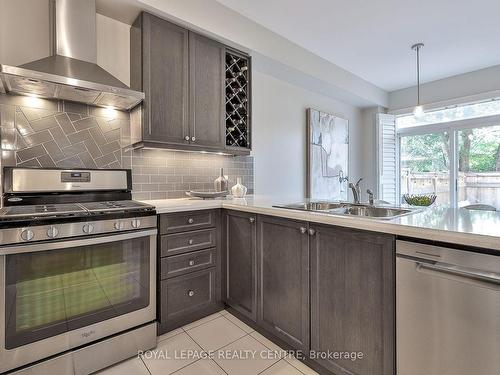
[
  {"x": 352, "y": 297},
  {"x": 207, "y": 110},
  {"x": 165, "y": 81},
  {"x": 283, "y": 279},
  {"x": 240, "y": 262}
]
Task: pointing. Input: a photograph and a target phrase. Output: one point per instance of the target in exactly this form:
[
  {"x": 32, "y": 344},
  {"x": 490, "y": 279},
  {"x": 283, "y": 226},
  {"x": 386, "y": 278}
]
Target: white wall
[
  {"x": 113, "y": 47},
  {"x": 468, "y": 87},
  {"x": 279, "y": 135},
  {"x": 24, "y": 31}
]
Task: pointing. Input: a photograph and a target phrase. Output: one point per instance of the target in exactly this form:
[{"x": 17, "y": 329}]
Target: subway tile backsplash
[
  {"x": 45, "y": 133},
  {"x": 160, "y": 174}
]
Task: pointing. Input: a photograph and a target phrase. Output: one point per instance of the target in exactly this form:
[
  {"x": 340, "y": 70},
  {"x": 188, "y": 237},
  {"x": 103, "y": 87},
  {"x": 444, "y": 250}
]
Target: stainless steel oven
[{"x": 57, "y": 296}]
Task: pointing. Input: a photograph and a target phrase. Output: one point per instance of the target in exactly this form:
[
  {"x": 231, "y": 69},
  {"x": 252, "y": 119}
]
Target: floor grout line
[
  {"x": 225, "y": 316},
  {"x": 282, "y": 359},
  {"x": 168, "y": 338},
  {"x": 145, "y": 365},
  {"x": 268, "y": 367}
]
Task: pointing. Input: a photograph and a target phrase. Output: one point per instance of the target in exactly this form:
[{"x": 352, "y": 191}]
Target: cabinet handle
[
  {"x": 186, "y": 137},
  {"x": 191, "y": 262},
  {"x": 190, "y": 220},
  {"x": 191, "y": 293},
  {"x": 191, "y": 241},
  {"x": 252, "y": 220},
  {"x": 303, "y": 230},
  {"x": 312, "y": 232},
  {"x": 193, "y": 139}
]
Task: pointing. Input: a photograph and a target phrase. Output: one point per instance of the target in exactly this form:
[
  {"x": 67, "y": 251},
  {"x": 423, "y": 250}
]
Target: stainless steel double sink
[{"x": 350, "y": 209}]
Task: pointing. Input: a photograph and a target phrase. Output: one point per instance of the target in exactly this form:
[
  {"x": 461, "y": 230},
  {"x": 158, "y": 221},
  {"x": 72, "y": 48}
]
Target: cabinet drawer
[
  {"x": 186, "y": 294},
  {"x": 185, "y": 221},
  {"x": 181, "y": 264},
  {"x": 179, "y": 243}
]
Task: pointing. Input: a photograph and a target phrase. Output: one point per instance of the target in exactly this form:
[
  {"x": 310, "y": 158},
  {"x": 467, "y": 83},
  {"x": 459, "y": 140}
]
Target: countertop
[{"x": 438, "y": 223}]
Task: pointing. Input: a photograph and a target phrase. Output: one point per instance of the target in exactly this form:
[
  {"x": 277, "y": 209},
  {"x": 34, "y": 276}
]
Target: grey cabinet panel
[
  {"x": 283, "y": 279},
  {"x": 178, "y": 243},
  {"x": 206, "y": 92},
  {"x": 352, "y": 298},
  {"x": 239, "y": 244},
  {"x": 165, "y": 78},
  {"x": 187, "y": 221},
  {"x": 185, "y": 263},
  {"x": 186, "y": 294}
]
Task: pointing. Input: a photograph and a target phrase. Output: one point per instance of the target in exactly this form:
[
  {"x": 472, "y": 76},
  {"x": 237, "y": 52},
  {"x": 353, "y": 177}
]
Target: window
[
  {"x": 479, "y": 166},
  {"x": 468, "y": 111},
  {"x": 425, "y": 165},
  {"x": 453, "y": 153}
]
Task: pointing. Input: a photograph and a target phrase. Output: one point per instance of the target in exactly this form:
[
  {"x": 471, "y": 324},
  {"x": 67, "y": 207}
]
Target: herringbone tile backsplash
[
  {"x": 45, "y": 138},
  {"x": 56, "y": 134}
]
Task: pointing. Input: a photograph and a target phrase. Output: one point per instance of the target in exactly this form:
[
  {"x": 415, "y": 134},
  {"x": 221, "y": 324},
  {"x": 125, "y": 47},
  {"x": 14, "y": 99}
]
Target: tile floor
[{"x": 222, "y": 333}]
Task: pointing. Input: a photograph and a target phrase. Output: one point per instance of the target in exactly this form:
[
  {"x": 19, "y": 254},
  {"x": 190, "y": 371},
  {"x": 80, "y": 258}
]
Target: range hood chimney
[{"x": 71, "y": 72}]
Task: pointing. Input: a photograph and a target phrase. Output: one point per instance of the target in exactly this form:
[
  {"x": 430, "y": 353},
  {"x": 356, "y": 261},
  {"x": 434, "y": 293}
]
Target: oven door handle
[{"x": 57, "y": 245}]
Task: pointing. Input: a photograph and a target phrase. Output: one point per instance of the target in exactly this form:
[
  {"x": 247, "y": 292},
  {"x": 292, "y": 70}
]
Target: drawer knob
[
  {"x": 191, "y": 241},
  {"x": 186, "y": 137},
  {"x": 190, "y": 220},
  {"x": 191, "y": 262},
  {"x": 312, "y": 232},
  {"x": 303, "y": 230},
  {"x": 252, "y": 220},
  {"x": 191, "y": 293}
]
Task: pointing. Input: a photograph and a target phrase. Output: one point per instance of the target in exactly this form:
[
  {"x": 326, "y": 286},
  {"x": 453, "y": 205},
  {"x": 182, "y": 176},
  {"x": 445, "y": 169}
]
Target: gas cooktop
[{"x": 71, "y": 209}]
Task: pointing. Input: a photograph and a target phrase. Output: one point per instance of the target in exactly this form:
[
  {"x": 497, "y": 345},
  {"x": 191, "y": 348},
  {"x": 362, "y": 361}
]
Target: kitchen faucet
[
  {"x": 356, "y": 192},
  {"x": 370, "y": 196}
]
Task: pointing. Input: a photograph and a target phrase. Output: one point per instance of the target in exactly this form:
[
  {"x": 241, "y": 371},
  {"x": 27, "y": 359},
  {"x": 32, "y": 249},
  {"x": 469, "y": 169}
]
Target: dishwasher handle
[{"x": 478, "y": 278}]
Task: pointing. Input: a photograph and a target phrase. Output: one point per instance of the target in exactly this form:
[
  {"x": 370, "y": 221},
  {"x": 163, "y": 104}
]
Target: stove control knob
[
  {"x": 27, "y": 234},
  {"x": 119, "y": 225},
  {"x": 136, "y": 223},
  {"x": 52, "y": 232},
  {"x": 88, "y": 228}
]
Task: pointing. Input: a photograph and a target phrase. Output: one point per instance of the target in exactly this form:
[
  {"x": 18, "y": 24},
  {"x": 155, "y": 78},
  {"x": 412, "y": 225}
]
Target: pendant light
[{"x": 418, "y": 111}]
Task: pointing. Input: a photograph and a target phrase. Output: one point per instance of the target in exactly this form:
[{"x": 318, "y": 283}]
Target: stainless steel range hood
[{"x": 71, "y": 73}]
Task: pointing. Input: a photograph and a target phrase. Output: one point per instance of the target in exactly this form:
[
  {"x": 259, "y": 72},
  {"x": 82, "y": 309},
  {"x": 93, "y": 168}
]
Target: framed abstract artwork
[{"x": 327, "y": 155}]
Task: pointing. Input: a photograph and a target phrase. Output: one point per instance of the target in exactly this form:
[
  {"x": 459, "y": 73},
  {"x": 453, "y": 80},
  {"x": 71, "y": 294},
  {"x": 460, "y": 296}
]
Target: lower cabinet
[
  {"x": 325, "y": 290},
  {"x": 283, "y": 279},
  {"x": 189, "y": 269},
  {"x": 187, "y": 294},
  {"x": 240, "y": 262},
  {"x": 353, "y": 299}
]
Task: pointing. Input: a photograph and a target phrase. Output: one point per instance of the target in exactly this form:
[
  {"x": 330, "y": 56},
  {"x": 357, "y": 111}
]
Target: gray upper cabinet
[
  {"x": 160, "y": 67},
  {"x": 183, "y": 75},
  {"x": 239, "y": 247},
  {"x": 206, "y": 92},
  {"x": 352, "y": 298},
  {"x": 283, "y": 279}
]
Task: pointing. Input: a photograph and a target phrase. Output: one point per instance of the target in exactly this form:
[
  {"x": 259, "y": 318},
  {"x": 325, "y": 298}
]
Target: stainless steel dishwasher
[{"x": 447, "y": 311}]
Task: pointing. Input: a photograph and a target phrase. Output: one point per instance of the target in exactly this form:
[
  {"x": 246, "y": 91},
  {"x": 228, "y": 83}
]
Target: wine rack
[{"x": 237, "y": 100}]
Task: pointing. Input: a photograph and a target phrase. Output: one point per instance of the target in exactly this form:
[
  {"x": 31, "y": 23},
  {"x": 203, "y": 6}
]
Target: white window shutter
[{"x": 387, "y": 158}]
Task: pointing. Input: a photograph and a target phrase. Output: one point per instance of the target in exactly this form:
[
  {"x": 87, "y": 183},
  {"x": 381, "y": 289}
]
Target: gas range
[{"x": 77, "y": 270}]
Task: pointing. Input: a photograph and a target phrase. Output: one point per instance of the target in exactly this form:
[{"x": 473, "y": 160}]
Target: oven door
[{"x": 55, "y": 296}]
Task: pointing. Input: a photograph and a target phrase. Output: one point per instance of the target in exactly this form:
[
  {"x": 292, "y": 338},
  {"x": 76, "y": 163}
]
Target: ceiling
[{"x": 372, "y": 39}]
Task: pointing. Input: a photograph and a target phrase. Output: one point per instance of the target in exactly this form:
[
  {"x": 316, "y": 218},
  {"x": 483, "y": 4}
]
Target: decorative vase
[
  {"x": 220, "y": 183},
  {"x": 238, "y": 190}
]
